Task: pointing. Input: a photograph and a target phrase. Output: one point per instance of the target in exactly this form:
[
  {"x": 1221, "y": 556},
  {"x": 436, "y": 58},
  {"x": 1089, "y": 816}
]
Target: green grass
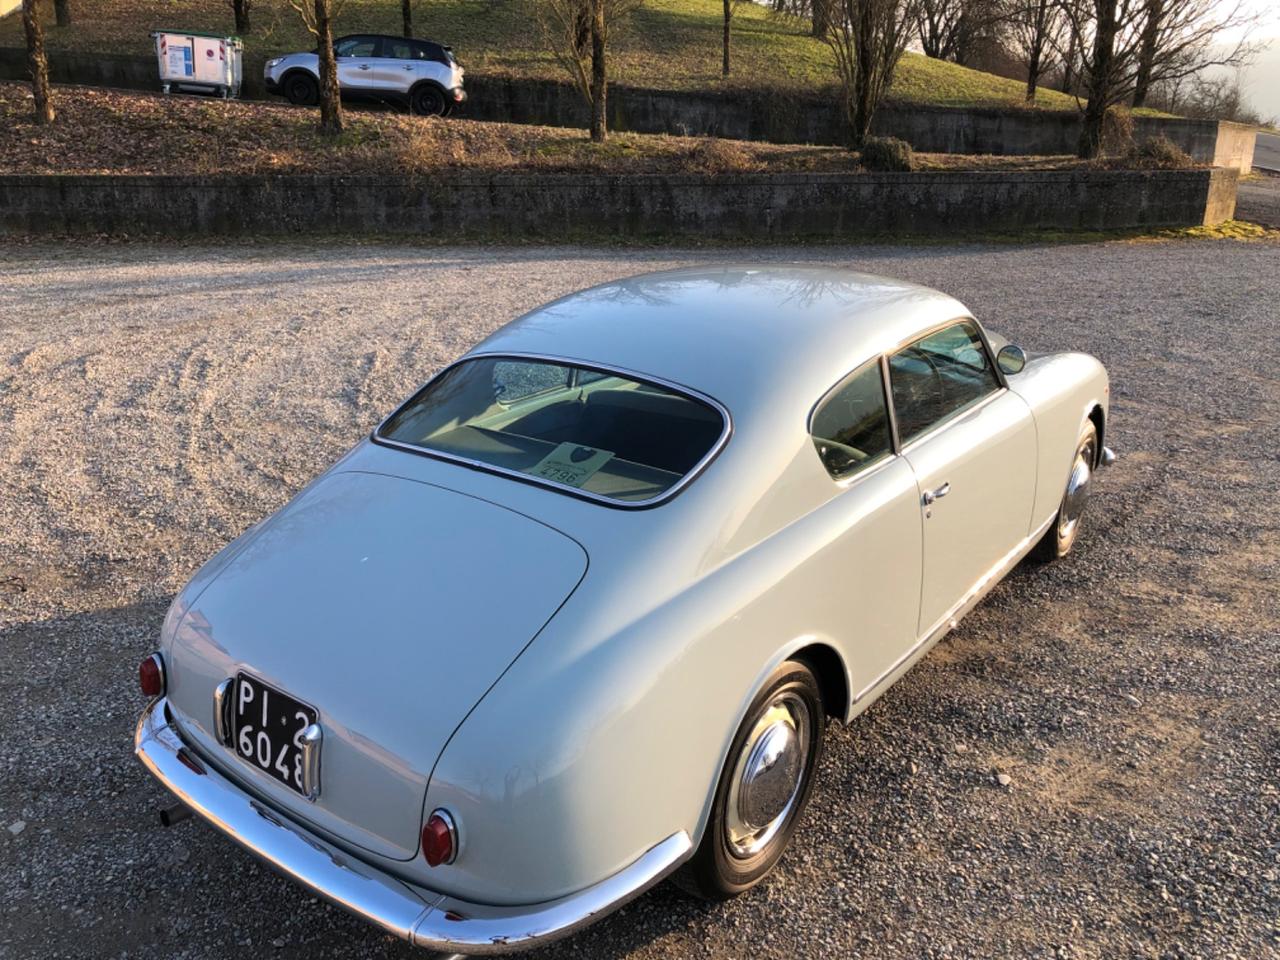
[{"x": 668, "y": 44}]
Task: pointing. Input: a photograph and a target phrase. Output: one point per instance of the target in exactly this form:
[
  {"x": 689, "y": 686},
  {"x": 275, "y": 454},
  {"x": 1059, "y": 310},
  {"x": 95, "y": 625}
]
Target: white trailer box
[{"x": 199, "y": 62}]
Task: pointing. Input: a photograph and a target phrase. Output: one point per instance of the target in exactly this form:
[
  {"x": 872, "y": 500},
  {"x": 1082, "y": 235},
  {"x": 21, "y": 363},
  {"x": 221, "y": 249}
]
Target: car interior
[{"x": 652, "y": 436}]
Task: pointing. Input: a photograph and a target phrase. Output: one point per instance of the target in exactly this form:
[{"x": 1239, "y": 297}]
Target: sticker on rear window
[{"x": 571, "y": 464}]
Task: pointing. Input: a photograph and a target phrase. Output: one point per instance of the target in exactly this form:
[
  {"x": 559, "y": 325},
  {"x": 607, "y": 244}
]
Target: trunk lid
[{"x": 388, "y": 605}]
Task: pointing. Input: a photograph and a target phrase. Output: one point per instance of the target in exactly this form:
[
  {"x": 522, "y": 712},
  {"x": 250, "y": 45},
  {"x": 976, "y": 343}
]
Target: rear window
[{"x": 577, "y": 428}]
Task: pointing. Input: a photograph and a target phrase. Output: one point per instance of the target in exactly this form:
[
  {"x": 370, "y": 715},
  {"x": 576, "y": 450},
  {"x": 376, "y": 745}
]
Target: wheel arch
[{"x": 294, "y": 71}]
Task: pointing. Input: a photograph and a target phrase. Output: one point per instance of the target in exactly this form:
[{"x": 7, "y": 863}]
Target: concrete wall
[
  {"x": 777, "y": 118},
  {"x": 546, "y": 207}
]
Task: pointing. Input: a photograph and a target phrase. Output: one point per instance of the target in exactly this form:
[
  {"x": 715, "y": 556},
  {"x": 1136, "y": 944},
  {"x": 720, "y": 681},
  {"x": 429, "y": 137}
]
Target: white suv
[{"x": 420, "y": 73}]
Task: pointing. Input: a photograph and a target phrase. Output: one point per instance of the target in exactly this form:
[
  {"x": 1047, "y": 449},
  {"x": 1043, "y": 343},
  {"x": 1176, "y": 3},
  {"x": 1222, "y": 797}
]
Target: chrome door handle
[
  {"x": 931, "y": 496},
  {"x": 364, "y": 66}
]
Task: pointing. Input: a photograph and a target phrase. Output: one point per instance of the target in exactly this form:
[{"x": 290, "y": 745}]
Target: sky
[{"x": 1260, "y": 81}]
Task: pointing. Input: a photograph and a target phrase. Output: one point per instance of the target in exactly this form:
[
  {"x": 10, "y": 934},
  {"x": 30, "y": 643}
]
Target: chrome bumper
[{"x": 423, "y": 917}]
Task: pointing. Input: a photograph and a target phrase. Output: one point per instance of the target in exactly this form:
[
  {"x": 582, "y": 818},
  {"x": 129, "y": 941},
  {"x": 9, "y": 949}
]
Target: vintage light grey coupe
[{"x": 574, "y": 616}]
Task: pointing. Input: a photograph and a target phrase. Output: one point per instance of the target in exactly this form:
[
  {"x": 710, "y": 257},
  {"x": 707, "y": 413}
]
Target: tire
[
  {"x": 302, "y": 89},
  {"x": 1065, "y": 529},
  {"x": 737, "y": 852},
  {"x": 427, "y": 101}
]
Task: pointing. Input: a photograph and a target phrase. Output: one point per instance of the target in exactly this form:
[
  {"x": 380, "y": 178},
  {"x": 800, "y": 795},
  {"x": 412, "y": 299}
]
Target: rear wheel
[
  {"x": 1062, "y": 533},
  {"x": 427, "y": 101},
  {"x": 302, "y": 89},
  {"x": 764, "y": 786}
]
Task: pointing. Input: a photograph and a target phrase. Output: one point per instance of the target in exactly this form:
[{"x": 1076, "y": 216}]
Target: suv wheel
[
  {"x": 428, "y": 101},
  {"x": 302, "y": 90}
]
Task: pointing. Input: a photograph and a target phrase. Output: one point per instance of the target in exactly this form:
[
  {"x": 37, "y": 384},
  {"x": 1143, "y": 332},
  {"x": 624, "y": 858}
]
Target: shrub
[
  {"x": 1159, "y": 151},
  {"x": 887, "y": 154},
  {"x": 1117, "y": 132},
  {"x": 713, "y": 155}
]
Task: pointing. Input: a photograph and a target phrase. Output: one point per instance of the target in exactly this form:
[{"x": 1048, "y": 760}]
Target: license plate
[{"x": 267, "y": 729}]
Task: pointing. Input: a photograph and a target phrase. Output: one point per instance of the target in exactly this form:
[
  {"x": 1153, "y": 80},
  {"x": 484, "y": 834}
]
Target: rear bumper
[{"x": 423, "y": 917}]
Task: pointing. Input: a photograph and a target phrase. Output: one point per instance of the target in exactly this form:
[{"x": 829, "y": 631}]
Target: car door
[
  {"x": 870, "y": 593},
  {"x": 357, "y": 58},
  {"x": 395, "y": 69},
  {"x": 972, "y": 444}
]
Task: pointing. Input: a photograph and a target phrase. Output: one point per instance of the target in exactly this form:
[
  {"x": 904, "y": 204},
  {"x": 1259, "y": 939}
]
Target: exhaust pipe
[{"x": 174, "y": 814}]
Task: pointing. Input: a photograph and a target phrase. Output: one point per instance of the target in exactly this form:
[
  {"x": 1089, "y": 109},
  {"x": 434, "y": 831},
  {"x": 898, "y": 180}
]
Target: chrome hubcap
[
  {"x": 1077, "y": 495},
  {"x": 767, "y": 776}
]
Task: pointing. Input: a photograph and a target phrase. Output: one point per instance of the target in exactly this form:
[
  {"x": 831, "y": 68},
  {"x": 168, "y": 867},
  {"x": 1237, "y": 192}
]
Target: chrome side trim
[
  {"x": 580, "y": 494},
  {"x": 971, "y": 598},
  {"x": 423, "y": 917}
]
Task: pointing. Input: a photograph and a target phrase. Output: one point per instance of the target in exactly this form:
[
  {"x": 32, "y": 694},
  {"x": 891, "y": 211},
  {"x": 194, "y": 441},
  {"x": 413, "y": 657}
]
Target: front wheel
[
  {"x": 1061, "y": 535},
  {"x": 427, "y": 101},
  {"x": 302, "y": 90},
  {"x": 763, "y": 788}
]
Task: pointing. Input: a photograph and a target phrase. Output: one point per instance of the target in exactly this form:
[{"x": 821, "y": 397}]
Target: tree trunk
[
  {"x": 821, "y": 13},
  {"x": 62, "y": 11},
  {"x": 599, "y": 74},
  {"x": 863, "y": 101},
  {"x": 728, "y": 14},
  {"x": 1069, "y": 66},
  {"x": 1147, "y": 52},
  {"x": 406, "y": 12},
  {"x": 241, "y": 10},
  {"x": 1033, "y": 73},
  {"x": 37, "y": 61},
  {"x": 1101, "y": 83},
  {"x": 330, "y": 98}
]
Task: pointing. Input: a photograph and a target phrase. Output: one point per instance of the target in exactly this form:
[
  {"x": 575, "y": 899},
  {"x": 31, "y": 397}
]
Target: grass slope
[
  {"x": 668, "y": 44},
  {"x": 110, "y": 131}
]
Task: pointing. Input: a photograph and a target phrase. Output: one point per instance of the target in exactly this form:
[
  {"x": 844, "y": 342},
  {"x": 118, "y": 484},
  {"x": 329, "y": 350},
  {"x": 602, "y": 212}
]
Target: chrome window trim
[{"x": 697, "y": 469}]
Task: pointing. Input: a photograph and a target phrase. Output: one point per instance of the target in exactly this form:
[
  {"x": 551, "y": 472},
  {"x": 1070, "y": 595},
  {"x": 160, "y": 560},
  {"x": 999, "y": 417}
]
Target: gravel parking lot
[{"x": 154, "y": 401}]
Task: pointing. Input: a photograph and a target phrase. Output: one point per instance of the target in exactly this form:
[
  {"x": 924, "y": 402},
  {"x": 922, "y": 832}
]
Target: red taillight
[
  {"x": 439, "y": 839},
  {"x": 151, "y": 675}
]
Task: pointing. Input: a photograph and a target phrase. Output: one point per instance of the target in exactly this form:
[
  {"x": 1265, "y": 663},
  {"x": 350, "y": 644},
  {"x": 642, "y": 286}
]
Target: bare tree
[
  {"x": 1036, "y": 28},
  {"x": 62, "y": 12},
  {"x": 1179, "y": 38},
  {"x": 867, "y": 38},
  {"x": 406, "y": 14},
  {"x": 241, "y": 10},
  {"x": 1121, "y": 51},
  {"x": 37, "y": 61},
  {"x": 730, "y": 8},
  {"x": 318, "y": 16},
  {"x": 577, "y": 31},
  {"x": 952, "y": 29}
]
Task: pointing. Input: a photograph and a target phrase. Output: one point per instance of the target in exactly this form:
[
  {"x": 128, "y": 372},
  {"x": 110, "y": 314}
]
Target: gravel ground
[{"x": 154, "y": 401}]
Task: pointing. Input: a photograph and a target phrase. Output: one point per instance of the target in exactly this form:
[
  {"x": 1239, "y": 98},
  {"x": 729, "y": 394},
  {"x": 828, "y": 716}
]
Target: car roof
[
  {"x": 745, "y": 334},
  {"x": 390, "y": 36}
]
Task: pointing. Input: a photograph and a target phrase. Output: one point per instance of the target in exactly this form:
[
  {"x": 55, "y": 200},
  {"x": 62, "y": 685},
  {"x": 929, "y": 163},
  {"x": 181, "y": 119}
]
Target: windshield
[{"x": 591, "y": 430}]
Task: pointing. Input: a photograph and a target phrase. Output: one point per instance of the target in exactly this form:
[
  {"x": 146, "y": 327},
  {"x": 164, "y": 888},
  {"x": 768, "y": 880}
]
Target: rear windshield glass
[{"x": 591, "y": 430}]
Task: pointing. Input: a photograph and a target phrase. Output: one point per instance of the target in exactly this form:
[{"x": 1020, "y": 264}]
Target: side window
[
  {"x": 514, "y": 381},
  {"x": 850, "y": 428},
  {"x": 356, "y": 47},
  {"x": 938, "y": 376},
  {"x": 398, "y": 49}
]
